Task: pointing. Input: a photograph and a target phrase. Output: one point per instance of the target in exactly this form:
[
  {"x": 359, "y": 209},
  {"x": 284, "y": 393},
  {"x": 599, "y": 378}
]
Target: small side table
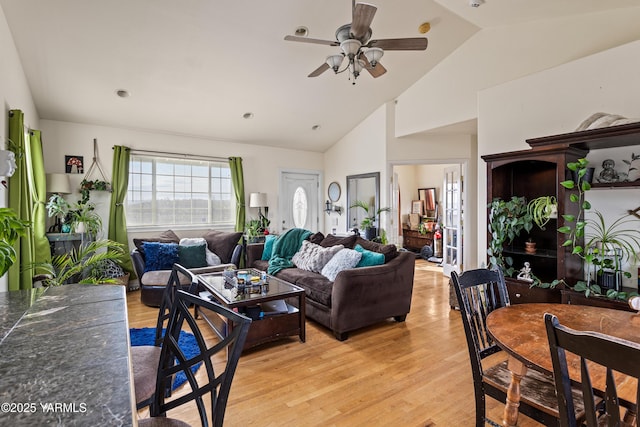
[{"x": 63, "y": 243}]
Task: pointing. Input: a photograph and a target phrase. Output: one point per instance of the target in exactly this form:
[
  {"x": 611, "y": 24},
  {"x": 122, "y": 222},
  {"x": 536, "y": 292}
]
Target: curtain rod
[{"x": 179, "y": 155}]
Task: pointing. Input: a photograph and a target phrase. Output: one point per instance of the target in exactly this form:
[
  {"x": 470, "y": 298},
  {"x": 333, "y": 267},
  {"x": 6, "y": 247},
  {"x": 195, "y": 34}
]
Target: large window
[{"x": 167, "y": 191}]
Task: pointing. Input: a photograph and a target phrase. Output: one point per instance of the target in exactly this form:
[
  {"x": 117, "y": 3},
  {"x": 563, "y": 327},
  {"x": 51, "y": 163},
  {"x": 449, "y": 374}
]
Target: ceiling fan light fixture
[
  {"x": 358, "y": 65},
  {"x": 350, "y": 47},
  {"x": 373, "y": 55},
  {"x": 335, "y": 61}
]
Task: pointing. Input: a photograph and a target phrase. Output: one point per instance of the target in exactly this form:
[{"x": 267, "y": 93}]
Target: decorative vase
[
  {"x": 530, "y": 247},
  {"x": 80, "y": 227}
]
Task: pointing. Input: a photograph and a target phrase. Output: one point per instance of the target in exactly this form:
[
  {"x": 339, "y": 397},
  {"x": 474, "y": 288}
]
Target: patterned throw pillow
[
  {"x": 312, "y": 257},
  {"x": 343, "y": 260},
  {"x": 160, "y": 256}
]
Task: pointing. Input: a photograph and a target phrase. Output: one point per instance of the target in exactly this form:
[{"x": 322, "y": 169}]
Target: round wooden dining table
[{"x": 520, "y": 331}]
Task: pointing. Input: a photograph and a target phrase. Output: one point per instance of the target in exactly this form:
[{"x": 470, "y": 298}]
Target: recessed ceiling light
[
  {"x": 301, "y": 31},
  {"x": 315, "y": 127},
  {"x": 247, "y": 116},
  {"x": 123, "y": 93}
]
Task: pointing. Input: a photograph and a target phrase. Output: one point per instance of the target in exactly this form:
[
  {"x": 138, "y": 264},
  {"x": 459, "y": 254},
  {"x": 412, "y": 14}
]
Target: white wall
[
  {"x": 363, "y": 150},
  {"x": 448, "y": 94},
  {"x": 15, "y": 94},
  {"x": 261, "y": 164},
  {"x": 557, "y": 101}
]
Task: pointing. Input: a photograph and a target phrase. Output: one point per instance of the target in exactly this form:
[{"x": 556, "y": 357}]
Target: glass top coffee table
[{"x": 277, "y": 307}]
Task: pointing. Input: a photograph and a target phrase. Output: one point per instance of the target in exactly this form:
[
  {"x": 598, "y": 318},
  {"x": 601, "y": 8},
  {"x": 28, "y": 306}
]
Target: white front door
[
  {"x": 452, "y": 221},
  {"x": 299, "y": 201}
]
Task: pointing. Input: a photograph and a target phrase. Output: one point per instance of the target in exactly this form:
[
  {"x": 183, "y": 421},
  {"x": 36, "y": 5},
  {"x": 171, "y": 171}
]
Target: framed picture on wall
[
  {"x": 74, "y": 164},
  {"x": 417, "y": 207}
]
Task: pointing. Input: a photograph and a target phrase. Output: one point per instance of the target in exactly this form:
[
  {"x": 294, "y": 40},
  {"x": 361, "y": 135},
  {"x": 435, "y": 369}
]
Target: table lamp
[{"x": 259, "y": 200}]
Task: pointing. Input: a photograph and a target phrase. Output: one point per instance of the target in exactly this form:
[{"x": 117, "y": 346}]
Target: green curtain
[
  {"x": 117, "y": 217},
  {"x": 21, "y": 273},
  {"x": 42, "y": 250},
  {"x": 237, "y": 178}
]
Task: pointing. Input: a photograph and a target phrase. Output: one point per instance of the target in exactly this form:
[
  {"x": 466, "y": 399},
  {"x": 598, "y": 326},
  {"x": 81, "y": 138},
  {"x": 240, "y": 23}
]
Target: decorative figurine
[
  {"x": 608, "y": 173},
  {"x": 525, "y": 273}
]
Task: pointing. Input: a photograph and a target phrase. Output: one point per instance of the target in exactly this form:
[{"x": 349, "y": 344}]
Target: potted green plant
[
  {"x": 11, "y": 228},
  {"x": 606, "y": 247},
  {"x": 368, "y": 223},
  {"x": 87, "y": 186},
  {"x": 58, "y": 208},
  {"x": 253, "y": 230},
  {"x": 542, "y": 209},
  {"x": 81, "y": 265},
  {"x": 85, "y": 219},
  {"x": 507, "y": 219}
]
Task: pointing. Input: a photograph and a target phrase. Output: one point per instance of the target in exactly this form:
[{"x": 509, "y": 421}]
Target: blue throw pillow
[
  {"x": 369, "y": 258},
  {"x": 269, "y": 240},
  {"x": 160, "y": 256},
  {"x": 192, "y": 256}
]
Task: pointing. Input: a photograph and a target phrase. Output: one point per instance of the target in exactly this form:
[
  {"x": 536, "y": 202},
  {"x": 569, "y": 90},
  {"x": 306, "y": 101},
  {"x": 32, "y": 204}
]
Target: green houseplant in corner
[
  {"x": 11, "y": 228},
  {"x": 82, "y": 265},
  {"x": 368, "y": 223}
]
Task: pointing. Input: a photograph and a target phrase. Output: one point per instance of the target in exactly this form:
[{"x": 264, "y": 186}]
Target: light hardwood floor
[{"x": 415, "y": 373}]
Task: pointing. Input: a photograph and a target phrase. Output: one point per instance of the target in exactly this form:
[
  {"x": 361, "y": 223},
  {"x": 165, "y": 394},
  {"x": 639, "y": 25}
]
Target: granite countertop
[{"x": 64, "y": 357}]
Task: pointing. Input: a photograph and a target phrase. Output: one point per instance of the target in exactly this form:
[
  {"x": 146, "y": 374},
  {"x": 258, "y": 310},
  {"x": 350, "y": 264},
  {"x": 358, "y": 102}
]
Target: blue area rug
[{"x": 186, "y": 341}]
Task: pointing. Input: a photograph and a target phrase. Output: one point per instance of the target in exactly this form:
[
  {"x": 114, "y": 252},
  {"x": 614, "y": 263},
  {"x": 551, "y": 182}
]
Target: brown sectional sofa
[{"x": 358, "y": 297}]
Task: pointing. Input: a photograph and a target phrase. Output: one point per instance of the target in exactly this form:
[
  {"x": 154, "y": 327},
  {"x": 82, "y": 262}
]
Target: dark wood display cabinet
[
  {"x": 531, "y": 174},
  {"x": 414, "y": 241},
  {"x": 538, "y": 172}
]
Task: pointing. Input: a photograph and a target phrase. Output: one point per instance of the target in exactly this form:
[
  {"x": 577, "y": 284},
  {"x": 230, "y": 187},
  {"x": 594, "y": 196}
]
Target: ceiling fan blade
[
  {"x": 414, "y": 43},
  {"x": 363, "y": 14},
  {"x": 376, "y": 71},
  {"x": 321, "y": 69},
  {"x": 308, "y": 40}
]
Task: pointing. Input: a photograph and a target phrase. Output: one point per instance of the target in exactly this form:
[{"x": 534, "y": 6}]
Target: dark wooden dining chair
[
  {"x": 613, "y": 353},
  {"x": 145, "y": 358},
  {"x": 173, "y": 360},
  {"x": 480, "y": 292}
]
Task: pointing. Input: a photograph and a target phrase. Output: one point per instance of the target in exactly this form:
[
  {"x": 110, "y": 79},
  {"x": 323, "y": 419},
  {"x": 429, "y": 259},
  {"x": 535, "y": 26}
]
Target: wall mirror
[
  {"x": 430, "y": 203},
  {"x": 334, "y": 192},
  {"x": 366, "y": 188}
]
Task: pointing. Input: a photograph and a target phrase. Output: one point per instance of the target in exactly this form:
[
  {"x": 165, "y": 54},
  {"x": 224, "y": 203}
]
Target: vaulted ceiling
[{"x": 195, "y": 67}]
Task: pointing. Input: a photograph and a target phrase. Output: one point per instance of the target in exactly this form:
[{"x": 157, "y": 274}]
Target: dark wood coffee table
[{"x": 268, "y": 327}]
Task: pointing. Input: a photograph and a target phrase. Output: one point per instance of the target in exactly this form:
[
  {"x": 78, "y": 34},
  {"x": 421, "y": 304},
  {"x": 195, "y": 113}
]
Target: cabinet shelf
[
  {"x": 540, "y": 253},
  {"x": 600, "y": 185}
]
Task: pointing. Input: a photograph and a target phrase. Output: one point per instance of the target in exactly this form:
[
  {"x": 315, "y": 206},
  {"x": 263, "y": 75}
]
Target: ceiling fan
[{"x": 355, "y": 41}]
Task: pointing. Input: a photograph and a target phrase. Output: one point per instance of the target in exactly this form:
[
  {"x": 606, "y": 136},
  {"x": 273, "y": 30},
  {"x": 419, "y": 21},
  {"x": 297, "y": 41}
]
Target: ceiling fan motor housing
[{"x": 344, "y": 33}]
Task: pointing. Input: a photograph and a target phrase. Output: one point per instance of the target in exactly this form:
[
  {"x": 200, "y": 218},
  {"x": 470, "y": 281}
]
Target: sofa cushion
[
  {"x": 389, "y": 251},
  {"x": 312, "y": 257},
  {"x": 261, "y": 265},
  {"x": 165, "y": 237},
  {"x": 269, "y": 240},
  {"x": 331, "y": 240},
  {"x": 222, "y": 243},
  {"x": 212, "y": 259},
  {"x": 369, "y": 258},
  {"x": 161, "y": 278},
  {"x": 160, "y": 256},
  {"x": 316, "y": 238},
  {"x": 343, "y": 260},
  {"x": 193, "y": 256}
]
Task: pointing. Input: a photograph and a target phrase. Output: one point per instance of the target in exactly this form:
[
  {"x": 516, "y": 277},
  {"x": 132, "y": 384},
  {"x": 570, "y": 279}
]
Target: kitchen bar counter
[{"x": 64, "y": 357}]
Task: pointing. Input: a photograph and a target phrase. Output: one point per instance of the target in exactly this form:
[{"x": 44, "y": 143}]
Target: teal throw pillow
[
  {"x": 160, "y": 256},
  {"x": 369, "y": 258},
  {"x": 269, "y": 240},
  {"x": 192, "y": 256}
]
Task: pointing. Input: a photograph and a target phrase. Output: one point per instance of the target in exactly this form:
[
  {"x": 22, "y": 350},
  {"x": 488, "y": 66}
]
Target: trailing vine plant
[{"x": 507, "y": 219}]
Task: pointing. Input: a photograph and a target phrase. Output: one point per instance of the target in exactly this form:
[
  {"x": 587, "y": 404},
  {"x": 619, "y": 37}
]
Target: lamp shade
[
  {"x": 373, "y": 55},
  {"x": 58, "y": 183},
  {"x": 335, "y": 61},
  {"x": 257, "y": 200},
  {"x": 350, "y": 47}
]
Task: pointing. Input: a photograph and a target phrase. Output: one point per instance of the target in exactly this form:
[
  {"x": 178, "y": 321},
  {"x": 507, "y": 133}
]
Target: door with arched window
[{"x": 299, "y": 201}]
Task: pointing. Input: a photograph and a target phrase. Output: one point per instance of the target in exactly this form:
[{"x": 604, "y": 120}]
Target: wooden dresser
[{"x": 413, "y": 240}]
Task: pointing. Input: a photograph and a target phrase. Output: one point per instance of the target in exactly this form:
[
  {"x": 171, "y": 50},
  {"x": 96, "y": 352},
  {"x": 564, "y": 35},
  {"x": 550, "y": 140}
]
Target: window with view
[{"x": 168, "y": 191}]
